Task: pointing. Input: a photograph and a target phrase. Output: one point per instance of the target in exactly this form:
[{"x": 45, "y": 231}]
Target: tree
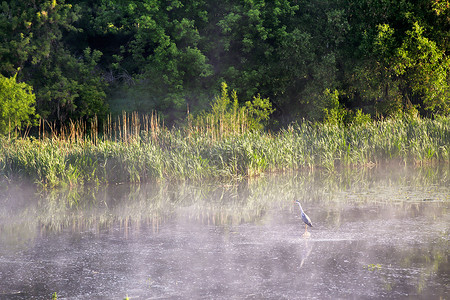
[
  {"x": 160, "y": 53},
  {"x": 425, "y": 67},
  {"x": 288, "y": 51},
  {"x": 71, "y": 88},
  {"x": 382, "y": 56},
  {"x": 67, "y": 85},
  {"x": 16, "y": 104},
  {"x": 29, "y": 29},
  {"x": 401, "y": 58}
]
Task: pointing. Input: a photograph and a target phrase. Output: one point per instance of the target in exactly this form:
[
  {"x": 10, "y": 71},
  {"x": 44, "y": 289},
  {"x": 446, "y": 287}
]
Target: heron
[{"x": 305, "y": 218}]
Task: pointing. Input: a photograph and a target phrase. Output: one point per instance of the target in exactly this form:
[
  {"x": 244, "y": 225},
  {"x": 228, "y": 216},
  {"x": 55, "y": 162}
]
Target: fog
[{"x": 380, "y": 232}]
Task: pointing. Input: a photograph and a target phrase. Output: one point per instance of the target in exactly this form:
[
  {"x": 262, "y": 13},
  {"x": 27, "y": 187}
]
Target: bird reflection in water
[{"x": 306, "y": 251}]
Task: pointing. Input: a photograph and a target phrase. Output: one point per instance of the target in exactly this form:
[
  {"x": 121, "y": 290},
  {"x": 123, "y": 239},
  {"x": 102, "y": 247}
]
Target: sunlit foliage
[
  {"x": 383, "y": 57},
  {"x": 16, "y": 104}
]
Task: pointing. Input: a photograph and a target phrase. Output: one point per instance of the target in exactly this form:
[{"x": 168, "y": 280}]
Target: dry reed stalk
[
  {"x": 27, "y": 131},
  {"x": 124, "y": 124},
  {"x": 109, "y": 126},
  {"x": 72, "y": 134},
  {"x": 94, "y": 130},
  {"x": 62, "y": 133},
  {"x": 52, "y": 129},
  {"x": 119, "y": 128},
  {"x": 145, "y": 121},
  {"x": 137, "y": 125},
  {"x": 80, "y": 130},
  {"x": 154, "y": 121},
  {"x": 40, "y": 121}
]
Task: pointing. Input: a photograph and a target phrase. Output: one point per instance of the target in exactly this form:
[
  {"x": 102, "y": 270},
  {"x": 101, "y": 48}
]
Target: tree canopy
[{"x": 86, "y": 58}]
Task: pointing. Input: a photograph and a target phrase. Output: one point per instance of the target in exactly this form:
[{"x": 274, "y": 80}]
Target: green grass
[{"x": 139, "y": 153}]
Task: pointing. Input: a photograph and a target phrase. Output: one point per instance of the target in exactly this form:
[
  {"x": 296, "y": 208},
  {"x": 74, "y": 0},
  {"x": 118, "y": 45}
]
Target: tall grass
[{"x": 135, "y": 148}]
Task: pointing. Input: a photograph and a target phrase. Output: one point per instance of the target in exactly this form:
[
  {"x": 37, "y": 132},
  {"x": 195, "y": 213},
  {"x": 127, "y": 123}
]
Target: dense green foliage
[
  {"x": 33, "y": 37},
  {"x": 376, "y": 57},
  {"x": 227, "y": 117},
  {"x": 16, "y": 104},
  {"x": 184, "y": 154}
]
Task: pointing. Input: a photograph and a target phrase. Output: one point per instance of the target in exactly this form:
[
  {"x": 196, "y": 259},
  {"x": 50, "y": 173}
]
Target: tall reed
[{"x": 137, "y": 148}]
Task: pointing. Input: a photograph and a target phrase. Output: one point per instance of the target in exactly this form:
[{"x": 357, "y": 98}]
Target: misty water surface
[{"x": 381, "y": 232}]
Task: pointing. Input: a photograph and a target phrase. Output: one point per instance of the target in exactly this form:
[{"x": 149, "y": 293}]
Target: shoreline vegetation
[
  {"x": 138, "y": 148},
  {"x": 339, "y": 83}
]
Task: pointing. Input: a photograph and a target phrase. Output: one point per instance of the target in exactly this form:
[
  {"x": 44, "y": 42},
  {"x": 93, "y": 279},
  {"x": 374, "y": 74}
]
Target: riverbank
[{"x": 148, "y": 153}]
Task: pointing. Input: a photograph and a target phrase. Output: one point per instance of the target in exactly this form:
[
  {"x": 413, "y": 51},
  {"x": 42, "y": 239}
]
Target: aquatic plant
[
  {"x": 141, "y": 149},
  {"x": 373, "y": 267}
]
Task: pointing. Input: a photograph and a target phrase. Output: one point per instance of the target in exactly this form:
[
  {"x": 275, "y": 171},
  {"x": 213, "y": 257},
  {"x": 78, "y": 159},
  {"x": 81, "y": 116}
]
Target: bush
[
  {"x": 227, "y": 117},
  {"x": 16, "y": 104}
]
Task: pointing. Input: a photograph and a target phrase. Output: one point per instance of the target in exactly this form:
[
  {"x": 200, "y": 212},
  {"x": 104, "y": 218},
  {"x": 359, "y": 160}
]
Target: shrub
[
  {"x": 16, "y": 104},
  {"x": 227, "y": 117}
]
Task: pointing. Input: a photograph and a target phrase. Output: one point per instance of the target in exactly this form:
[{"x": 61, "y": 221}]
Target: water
[{"x": 378, "y": 233}]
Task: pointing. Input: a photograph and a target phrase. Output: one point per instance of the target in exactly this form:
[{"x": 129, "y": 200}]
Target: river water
[{"x": 377, "y": 233}]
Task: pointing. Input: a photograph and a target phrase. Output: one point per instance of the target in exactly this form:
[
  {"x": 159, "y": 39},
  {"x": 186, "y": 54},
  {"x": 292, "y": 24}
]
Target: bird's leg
[{"x": 306, "y": 228}]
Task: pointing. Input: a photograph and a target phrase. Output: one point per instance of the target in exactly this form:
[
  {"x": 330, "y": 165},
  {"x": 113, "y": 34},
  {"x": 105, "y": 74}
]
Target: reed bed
[{"x": 135, "y": 148}]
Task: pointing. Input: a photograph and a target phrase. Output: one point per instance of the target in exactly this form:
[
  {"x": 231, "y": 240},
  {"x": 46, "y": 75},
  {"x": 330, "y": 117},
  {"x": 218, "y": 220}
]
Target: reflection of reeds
[
  {"x": 137, "y": 148},
  {"x": 131, "y": 207}
]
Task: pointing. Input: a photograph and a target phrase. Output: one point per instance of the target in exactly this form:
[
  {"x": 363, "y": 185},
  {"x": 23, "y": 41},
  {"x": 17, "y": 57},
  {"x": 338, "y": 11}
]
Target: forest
[{"x": 308, "y": 59}]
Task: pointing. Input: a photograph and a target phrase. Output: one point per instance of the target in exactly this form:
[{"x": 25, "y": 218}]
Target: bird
[{"x": 305, "y": 218}]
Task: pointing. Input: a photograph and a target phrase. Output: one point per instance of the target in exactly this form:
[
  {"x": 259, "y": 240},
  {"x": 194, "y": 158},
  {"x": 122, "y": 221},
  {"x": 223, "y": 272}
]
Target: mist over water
[{"x": 381, "y": 232}]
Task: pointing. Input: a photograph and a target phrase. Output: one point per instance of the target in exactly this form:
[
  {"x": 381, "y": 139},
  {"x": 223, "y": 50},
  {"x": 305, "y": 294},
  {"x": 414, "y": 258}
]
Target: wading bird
[{"x": 305, "y": 218}]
